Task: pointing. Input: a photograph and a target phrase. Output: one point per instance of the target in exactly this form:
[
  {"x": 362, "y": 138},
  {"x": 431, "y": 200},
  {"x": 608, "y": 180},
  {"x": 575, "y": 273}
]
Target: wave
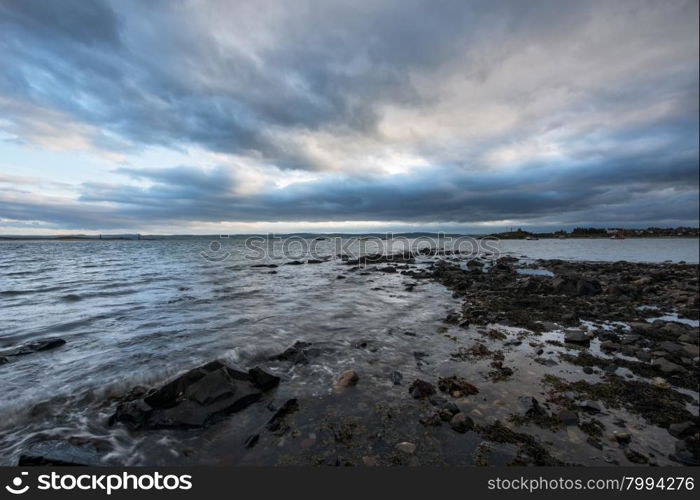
[{"x": 30, "y": 291}]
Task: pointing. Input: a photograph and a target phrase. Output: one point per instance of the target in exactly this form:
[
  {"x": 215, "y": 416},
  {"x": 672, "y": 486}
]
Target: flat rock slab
[
  {"x": 34, "y": 346},
  {"x": 666, "y": 366},
  {"x": 62, "y": 452},
  {"x": 576, "y": 336},
  {"x": 568, "y": 417}
]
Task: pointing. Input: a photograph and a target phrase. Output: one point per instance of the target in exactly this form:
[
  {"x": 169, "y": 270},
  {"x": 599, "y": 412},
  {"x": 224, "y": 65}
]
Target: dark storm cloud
[
  {"x": 151, "y": 72},
  {"x": 74, "y": 20},
  {"x": 541, "y": 111},
  {"x": 655, "y": 191},
  {"x": 172, "y": 83}
]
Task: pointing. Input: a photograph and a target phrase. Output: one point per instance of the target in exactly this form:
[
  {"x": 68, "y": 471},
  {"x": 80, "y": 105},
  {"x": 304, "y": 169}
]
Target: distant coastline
[
  {"x": 74, "y": 238},
  {"x": 594, "y": 232},
  {"x": 519, "y": 234}
]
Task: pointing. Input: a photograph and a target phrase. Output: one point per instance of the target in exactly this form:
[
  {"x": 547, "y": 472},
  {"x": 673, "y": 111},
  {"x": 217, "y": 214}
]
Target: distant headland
[{"x": 596, "y": 232}]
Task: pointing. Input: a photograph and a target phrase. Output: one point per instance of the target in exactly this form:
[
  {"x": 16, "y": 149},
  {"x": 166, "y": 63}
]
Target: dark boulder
[
  {"x": 197, "y": 398},
  {"x": 643, "y": 355},
  {"x": 568, "y": 417},
  {"x": 456, "y": 386},
  {"x": 609, "y": 345},
  {"x": 202, "y": 383},
  {"x": 431, "y": 419},
  {"x": 501, "y": 267},
  {"x": 298, "y": 353},
  {"x": 586, "y": 287},
  {"x": 263, "y": 380},
  {"x": 687, "y": 451},
  {"x": 670, "y": 347},
  {"x": 420, "y": 389},
  {"x": 575, "y": 286},
  {"x": 444, "y": 405},
  {"x": 133, "y": 414},
  {"x": 46, "y": 344},
  {"x": 682, "y": 430},
  {"x": 635, "y": 456},
  {"x": 387, "y": 269},
  {"x": 535, "y": 284},
  {"x": 563, "y": 285},
  {"x": 531, "y": 406},
  {"x": 461, "y": 423},
  {"x": 251, "y": 441},
  {"x": 453, "y": 317},
  {"x": 277, "y": 422}
]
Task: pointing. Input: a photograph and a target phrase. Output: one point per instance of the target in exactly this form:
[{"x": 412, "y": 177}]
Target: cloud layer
[{"x": 201, "y": 113}]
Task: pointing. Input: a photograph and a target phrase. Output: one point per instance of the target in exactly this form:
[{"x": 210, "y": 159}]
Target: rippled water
[
  {"x": 136, "y": 312},
  {"x": 606, "y": 249}
]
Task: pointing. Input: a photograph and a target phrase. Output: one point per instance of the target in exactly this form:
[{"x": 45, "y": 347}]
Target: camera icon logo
[{"x": 16, "y": 488}]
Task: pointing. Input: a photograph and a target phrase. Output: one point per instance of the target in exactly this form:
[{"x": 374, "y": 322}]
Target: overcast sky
[{"x": 254, "y": 116}]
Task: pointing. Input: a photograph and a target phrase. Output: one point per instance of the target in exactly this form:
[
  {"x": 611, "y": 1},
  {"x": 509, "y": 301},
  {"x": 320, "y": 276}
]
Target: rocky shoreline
[{"x": 550, "y": 363}]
